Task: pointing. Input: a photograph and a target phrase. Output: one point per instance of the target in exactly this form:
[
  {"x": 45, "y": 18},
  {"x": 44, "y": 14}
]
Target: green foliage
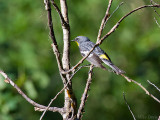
[{"x": 26, "y": 56}]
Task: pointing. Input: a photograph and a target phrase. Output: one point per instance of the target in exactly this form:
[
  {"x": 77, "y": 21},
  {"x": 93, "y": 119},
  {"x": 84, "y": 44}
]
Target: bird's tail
[
  {"x": 117, "y": 70},
  {"x": 114, "y": 68}
]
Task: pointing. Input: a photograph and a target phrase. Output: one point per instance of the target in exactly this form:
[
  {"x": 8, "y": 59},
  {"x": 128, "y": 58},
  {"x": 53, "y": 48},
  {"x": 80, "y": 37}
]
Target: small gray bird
[{"x": 97, "y": 56}]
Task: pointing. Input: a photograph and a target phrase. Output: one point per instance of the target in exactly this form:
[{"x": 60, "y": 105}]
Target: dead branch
[
  {"x": 140, "y": 85},
  {"x": 41, "y": 107},
  {"x": 59, "y": 93},
  {"x": 118, "y": 23},
  {"x": 65, "y": 58},
  {"x": 153, "y": 85},
  {"x": 63, "y": 22},
  {"x": 66, "y": 35},
  {"x": 104, "y": 20},
  {"x": 50, "y": 24},
  {"x": 157, "y": 22},
  {"x": 85, "y": 94},
  {"x": 45, "y": 110},
  {"x": 70, "y": 100},
  {"x": 113, "y": 12},
  {"x": 152, "y": 2}
]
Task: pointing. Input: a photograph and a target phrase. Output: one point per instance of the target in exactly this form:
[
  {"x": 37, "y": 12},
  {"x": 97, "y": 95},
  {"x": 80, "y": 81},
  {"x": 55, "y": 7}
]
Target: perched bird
[{"x": 97, "y": 56}]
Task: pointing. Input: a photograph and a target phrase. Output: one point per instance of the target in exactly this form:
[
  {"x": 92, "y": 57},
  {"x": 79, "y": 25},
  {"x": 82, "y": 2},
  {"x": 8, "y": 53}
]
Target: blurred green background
[{"x": 26, "y": 56}]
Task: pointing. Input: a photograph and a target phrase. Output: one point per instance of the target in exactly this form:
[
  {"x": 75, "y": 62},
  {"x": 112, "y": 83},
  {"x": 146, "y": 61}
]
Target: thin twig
[
  {"x": 77, "y": 71},
  {"x": 118, "y": 23},
  {"x": 128, "y": 106},
  {"x": 114, "y": 11},
  {"x": 9, "y": 81},
  {"x": 52, "y": 101},
  {"x": 156, "y": 12},
  {"x": 104, "y": 20},
  {"x": 63, "y": 22},
  {"x": 153, "y": 85},
  {"x": 85, "y": 94},
  {"x": 50, "y": 24},
  {"x": 152, "y": 2},
  {"x": 157, "y": 22},
  {"x": 143, "y": 88}
]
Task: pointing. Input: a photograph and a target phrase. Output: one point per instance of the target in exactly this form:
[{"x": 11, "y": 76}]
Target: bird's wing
[
  {"x": 93, "y": 59},
  {"x": 105, "y": 58}
]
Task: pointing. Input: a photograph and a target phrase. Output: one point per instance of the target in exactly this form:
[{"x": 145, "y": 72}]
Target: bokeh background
[{"x": 26, "y": 56}]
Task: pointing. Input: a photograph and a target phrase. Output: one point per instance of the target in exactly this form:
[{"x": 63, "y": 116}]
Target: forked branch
[
  {"x": 36, "y": 105},
  {"x": 63, "y": 22},
  {"x": 104, "y": 20},
  {"x": 118, "y": 23},
  {"x": 142, "y": 87},
  {"x": 51, "y": 31}
]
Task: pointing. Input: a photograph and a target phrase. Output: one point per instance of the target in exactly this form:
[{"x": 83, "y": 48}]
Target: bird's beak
[{"x": 75, "y": 41}]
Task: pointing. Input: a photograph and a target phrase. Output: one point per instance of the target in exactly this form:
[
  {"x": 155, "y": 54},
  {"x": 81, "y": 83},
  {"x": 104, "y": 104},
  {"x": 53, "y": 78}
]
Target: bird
[{"x": 97, "y": 56}]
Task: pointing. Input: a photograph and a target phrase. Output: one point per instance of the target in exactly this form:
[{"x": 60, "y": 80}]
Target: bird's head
[{"x": 81, "y": 39}]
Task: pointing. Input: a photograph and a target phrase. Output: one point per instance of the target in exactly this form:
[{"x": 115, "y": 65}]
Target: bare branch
[
  {"x": 66, "y": 35},
  {"x": 9, "y": 81},
  {"x": 52, "y": 109},
  {"x": 45, "y": 110},
  {"x": 114, "y": 11},
  {"x": 156, "y": 12},
  {"x": 104, "y": 20},
  {"x": 152, "y": 2},
  {"x": 57, "y": 54},
  {"x": 63, "y": 22},
  {"x": 128, "y": 106},
  {"x": 143, "y": 88},
  {"x": 157, "y": 22},
  {"x": 65, "y": 58},
  {"x": 52, "y": 101},
  {"x": 70, "y": 100},
  {"x": 85, "y": 94},
  {"x": 54, "y": 45},
  {"x": 153, "y": 85},
  {"x": 117, "y": 24},
  {"x": 50, "y": 24}
]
